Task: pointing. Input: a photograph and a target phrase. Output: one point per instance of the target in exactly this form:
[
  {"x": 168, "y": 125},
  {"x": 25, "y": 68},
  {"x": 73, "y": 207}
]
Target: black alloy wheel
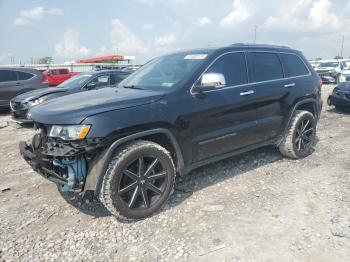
[
  {"x": 304, "y": 136},
  {"x": 143, "y": 182},
  {"x": 139, "y": 180}
]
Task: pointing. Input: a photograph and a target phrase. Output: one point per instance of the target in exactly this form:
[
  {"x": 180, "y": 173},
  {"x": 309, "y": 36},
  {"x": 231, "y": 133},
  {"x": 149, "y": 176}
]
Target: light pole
[
  {"x": 342, "y": 47},
  {"x": 255, "y": 29}
]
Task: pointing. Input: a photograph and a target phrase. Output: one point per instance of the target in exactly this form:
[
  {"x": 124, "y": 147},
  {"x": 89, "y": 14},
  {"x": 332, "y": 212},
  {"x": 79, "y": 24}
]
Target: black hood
[
  {"x": 73, "y": 109},
  {"x": 35, "y": 94},
  {"x": 345, "y": 87}
]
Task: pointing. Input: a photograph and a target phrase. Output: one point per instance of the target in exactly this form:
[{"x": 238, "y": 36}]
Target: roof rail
[{"x": 260, "y": 45}]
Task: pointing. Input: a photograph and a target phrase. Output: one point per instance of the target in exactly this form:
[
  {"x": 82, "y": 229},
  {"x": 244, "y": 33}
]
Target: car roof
[
  {"x": 241, "y": 47},
  {"x": 23, "y": 69},
  {"x": 106, "y": 71}
]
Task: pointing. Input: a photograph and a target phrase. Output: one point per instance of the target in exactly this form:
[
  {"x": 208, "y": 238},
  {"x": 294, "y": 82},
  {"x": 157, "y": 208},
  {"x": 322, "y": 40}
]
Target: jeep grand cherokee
[{"x": 174, "y": 114}]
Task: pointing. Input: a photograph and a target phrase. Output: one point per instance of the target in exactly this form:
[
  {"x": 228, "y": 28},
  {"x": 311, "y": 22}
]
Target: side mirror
[
  {"x": 90, "y": 86},
  {"x": 210, "y": 81}
]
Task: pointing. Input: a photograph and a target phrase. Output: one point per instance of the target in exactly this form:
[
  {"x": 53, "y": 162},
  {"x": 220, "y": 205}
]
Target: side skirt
[{"x": 187, "y": 169}]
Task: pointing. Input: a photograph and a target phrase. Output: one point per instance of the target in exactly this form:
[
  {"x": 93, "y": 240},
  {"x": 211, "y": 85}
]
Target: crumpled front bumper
[
  {"x": 39, "y": 165},
  {"x": 19, "y": 112},
  {"x": 339, "y": 99}
]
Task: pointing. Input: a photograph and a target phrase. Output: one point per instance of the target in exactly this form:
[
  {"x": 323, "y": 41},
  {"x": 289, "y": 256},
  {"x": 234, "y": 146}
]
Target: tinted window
[
  {"x": 266, "y": 66},
  {"x": 77, "y": 81},
  {"x": 63, "y": 71},
  {"x": 53, "y": 72},
  {"x": 24, "y": 75},
  {"x": 102, "y": 80},
  {"x": 119, "y": 77},
  {"x": 293, "y": 65},
  {"x": 6, "y": 76},
  {"x": 233, "y": 67}
]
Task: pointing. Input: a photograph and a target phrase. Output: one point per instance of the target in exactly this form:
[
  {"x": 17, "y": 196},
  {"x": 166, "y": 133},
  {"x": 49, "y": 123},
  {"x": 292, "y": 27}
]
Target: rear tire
[
  {"x": 300, "y": 138},
  {"x": 138, "y": 181}
]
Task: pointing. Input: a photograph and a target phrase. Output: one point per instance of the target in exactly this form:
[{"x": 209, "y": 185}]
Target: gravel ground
[{"x": 254, "y": 207}]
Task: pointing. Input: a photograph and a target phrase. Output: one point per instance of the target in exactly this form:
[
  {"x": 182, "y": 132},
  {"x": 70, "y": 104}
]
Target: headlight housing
[
  {"x": 37, "y": 101},
  {"x": 74, "y": 132}
]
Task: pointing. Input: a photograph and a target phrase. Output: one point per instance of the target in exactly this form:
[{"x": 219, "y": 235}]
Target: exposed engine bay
[{"x": 63, "y": 162}]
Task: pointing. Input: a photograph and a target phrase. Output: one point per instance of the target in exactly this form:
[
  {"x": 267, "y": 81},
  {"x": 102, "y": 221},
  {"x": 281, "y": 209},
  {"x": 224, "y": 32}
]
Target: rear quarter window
[
  {"x": 24, "y": 75},
  {"x": 63, "y": 71},
  {"x": 266, "y": 66},
  {"x": 293, "y": 65}
]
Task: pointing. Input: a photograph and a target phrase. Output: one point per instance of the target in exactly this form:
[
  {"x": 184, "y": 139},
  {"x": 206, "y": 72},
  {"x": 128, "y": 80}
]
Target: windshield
[
  {"x": 164, "y": 72},
  {"x": 330, "y": 64},
  {"x": 75, "y": 82}
]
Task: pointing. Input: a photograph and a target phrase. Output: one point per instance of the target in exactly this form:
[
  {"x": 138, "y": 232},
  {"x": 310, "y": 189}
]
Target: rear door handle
[
  {"x": 289, "y": 85},
  {"x": 247, "y": 93}
]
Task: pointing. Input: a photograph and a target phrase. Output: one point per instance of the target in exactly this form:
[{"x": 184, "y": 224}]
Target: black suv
[{"x": 174, "y": 114}]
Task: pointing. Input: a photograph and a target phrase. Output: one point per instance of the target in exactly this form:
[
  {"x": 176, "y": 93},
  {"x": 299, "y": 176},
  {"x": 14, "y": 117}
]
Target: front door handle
[
  {"x": 247, "y": 93},
  {"x": 289, "y": 85}
]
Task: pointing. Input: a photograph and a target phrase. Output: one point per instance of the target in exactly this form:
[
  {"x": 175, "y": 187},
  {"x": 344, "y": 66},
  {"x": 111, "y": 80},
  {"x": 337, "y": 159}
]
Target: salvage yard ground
[{"x": 254, "y": 207}]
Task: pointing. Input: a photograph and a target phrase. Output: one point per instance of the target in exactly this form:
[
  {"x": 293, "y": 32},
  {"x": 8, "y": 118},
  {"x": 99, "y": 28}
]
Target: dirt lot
[{"x": 255, "y": 207}]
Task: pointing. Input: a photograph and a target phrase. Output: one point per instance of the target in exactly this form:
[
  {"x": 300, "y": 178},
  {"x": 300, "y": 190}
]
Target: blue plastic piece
[{"x": 77, "y": 170}]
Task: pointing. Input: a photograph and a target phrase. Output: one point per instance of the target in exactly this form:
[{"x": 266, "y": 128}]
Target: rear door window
[
  {"x": 266, "y": 66},
  {"x": 233, "y": 67},
  {"x": 293, "y": 65},
  {"x": 63, "y": 71},
  {"x": 7, "y": 76},
  {"x": 24, "y": 75}
]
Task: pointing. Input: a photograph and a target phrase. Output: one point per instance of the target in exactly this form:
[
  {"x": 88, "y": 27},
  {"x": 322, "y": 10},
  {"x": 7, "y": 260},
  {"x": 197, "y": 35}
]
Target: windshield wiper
[{"x": 132, "y": 87}]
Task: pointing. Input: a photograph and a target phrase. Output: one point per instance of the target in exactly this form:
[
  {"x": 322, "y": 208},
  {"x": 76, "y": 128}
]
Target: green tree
[{"x": 45, "y": 60}]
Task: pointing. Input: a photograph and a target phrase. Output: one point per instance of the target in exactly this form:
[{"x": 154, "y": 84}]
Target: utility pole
[
  {"x": 342, "y": 47},
  {"x": 255, "y": 28}
]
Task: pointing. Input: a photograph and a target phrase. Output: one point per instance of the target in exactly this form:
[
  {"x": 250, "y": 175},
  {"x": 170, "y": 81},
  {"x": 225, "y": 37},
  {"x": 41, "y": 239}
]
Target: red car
[{"x": 58, "y": 76}]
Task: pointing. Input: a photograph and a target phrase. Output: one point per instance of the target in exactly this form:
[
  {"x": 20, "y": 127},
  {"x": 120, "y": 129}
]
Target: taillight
[
  {"x": 320, "y": 82},
  {"x": 44, "y": 79}
]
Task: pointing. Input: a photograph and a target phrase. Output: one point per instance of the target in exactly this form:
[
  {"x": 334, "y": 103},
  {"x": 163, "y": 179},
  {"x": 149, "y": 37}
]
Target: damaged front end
[{"x": 65, "y": 163}]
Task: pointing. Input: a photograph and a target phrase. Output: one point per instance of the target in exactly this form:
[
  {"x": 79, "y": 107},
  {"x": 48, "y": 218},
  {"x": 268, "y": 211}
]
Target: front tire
[
  {"x": 138, "y": 181},
  {"x": 300, "y": 138}
]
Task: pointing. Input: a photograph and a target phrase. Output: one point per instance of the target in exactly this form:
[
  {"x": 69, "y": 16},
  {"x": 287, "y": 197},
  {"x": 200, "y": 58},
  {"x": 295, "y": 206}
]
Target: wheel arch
[
  {"x": 309, "y": 104},
  {"x": 99, "y": 164}
]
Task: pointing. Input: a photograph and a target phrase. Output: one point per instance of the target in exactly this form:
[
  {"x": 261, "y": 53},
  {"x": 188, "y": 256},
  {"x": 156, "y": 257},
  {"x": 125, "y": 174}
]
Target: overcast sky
[{"x": 68, "y": 30}]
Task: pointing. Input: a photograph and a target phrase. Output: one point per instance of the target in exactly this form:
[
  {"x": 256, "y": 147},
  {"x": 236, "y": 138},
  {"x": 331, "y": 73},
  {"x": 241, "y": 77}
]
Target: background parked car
[
  {"x": 345, "y": 76},
  {"x": 340, "y": 96},
  {"x": 15, "y": 81},
  {"x": 330, "y": 71},
  {"x": 21, "y": 104},
  {"x": 58, "y": 76}
]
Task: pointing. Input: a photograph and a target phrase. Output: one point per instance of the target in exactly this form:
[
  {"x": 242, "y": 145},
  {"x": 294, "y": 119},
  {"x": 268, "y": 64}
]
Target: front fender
[{"x": 99, "y": 165}]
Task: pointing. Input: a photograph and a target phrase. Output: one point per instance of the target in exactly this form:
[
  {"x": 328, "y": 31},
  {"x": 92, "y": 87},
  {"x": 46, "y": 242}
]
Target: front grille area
[{"x": 16, "y": 105}]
